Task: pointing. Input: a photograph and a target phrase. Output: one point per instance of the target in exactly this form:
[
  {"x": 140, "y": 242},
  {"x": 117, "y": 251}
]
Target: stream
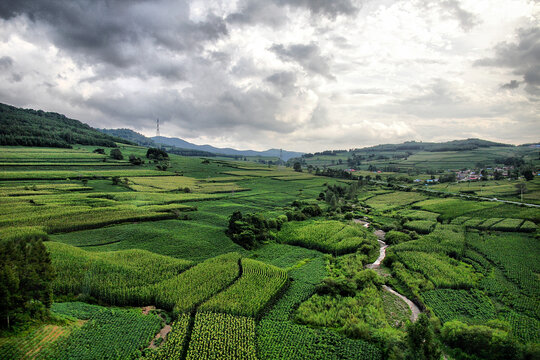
[{"x": 415, "y": 310}]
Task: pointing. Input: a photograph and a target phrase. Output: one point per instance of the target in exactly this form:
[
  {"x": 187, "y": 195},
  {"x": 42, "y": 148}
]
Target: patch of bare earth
[{"x": 162, "y": 334}]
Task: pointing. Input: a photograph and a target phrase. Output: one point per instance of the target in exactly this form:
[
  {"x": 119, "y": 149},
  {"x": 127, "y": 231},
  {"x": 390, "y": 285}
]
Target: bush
[
  {"x": 312, "y": 210},
  {"x": 116, "y": 154},
  {"x": 157, "y": 154},
  {"x": 480, "y": 340},
  {"x": 135, "y": 160},
  {"x": 99, "y": 151},
  {"x": 394, "y": 237}
]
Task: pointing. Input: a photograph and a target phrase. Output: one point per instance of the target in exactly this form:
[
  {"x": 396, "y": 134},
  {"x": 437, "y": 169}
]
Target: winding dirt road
[{"x": 415, "y": 310}]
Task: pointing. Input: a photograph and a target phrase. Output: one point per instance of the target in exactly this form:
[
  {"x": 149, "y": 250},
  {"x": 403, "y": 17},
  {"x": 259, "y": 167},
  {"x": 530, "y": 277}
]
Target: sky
[{"x": 304, "y": 75}]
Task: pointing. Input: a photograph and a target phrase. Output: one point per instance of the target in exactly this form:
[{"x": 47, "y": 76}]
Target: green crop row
[
  {"x": 174, "y": 346},
  {"x": 217, "y": 336},
  {"x": 109, "y": 333},
  {"x": 186, "y": 291},
  {"x": 327, "y": 236},
  {"x": 442, "y": 270},
  {"x": 449, "y": 304},
  {"x": 448, "y": 239},
  {"x": 420, "y": 226},
  {"x": 118, "y": 278},
  {"x": 248, "y": 296}
]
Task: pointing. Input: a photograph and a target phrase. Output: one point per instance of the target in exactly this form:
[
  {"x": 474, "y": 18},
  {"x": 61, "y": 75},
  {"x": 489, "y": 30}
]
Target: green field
[{"x": 122, "y": 237}]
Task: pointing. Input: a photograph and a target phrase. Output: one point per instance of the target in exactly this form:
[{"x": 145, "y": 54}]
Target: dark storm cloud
[
  {"x": 6, "y": 62},
  {"x": 284, "y": 81},
  {"x": 121, "y": 34},
  {"x": 324, "y": 7},
  {"x": 308, "y": 56},
  {"x": 233, "y": 110},
  {"x": 522, "y": 57},
  {"x": 467, "y": 20},
  {"x": 514, "y": 84},
  {"x": 271, "y": 12}
]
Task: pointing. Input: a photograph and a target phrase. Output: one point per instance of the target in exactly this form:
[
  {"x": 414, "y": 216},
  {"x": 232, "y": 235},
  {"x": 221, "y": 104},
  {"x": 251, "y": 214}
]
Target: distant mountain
[
  {"x": 454, "y": 145},
  {"x": 28, "y": 127},
  {"x": 130, "y": 135},
  {"x": 179, "y": 143}
]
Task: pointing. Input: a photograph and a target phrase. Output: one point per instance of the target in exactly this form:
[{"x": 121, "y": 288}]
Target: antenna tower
[{"x": 157, "y": 128}]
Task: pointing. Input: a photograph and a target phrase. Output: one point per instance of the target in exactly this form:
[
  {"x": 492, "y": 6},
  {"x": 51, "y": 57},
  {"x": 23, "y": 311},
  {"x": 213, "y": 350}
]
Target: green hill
[
  {"x": 130, "y": 135},
  {"x": 28, "y": 127}
]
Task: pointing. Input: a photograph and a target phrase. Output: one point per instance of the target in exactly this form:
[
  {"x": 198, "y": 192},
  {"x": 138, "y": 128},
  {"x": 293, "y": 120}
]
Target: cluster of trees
[
  {"x": 159, "y": 156},
  {"x": 26, "y": 275},
  {"x": 302, "y": 211},
  {"x": 491, "y": 340},
  {"x": 156, "y": 154},
  {"x": 251, "y": 230},
  {"x": 338, "y": 196},
  {"x": 26, "y": 127}
]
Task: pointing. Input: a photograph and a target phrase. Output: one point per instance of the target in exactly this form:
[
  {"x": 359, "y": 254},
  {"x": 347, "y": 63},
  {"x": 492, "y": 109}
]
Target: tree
[
  {"x": 421, "y": 339},
  {"x": 116, "y": 154},
  {"x": 156, "y": 154},
  {"x": 297, "y": 166},
  {"x": 521, "y": 188},
  {"x": 26, "y": 274},
  {"x": 527, "y": 174},
  {"x": 135, "y": 160},
  {"x": 497, "y": 175}
]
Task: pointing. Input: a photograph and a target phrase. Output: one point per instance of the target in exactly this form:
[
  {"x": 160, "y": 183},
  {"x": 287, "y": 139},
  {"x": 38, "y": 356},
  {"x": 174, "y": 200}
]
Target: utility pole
[{"x": 157, "y": 127}]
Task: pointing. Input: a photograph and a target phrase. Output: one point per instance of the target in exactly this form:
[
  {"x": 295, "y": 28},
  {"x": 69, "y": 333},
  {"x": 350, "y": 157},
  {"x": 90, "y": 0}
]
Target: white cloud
[{"x": 257, "y": 74}]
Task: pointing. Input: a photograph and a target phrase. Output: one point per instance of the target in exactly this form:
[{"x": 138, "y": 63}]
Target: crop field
[
  {"x": 441, "y": 270},
  {"x": 502, "y": 189},
  {"x": 418, "y": 215},
  {"x": 36, "y": 344},
  {"x": 420, "y": 226},
  {"x": 128, "y": 236},
  {"x": 394, "y": 200},
  {"x": 327, "y": 236},
  {"x": 249, "y": 295},
  {"x": 449, "y": 304},
  {"x": 222, "y": 336},
  {"x": 452, "y": 208},
  {"x": 109, "y": 331}
]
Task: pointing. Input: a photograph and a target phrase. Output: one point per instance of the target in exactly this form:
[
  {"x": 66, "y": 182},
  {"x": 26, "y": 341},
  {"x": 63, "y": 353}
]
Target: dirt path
[
  {"x": 415, "y": 310},
  {"x": 382, "y": 254},
  {"x": 162, "y": 333}
]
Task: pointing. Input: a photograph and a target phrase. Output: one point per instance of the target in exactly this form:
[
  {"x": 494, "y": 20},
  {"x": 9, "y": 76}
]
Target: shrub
[
  {"x": 116, "y": 154},
  {"x": 394, "y": 237},
  {"x": 480, "y": 340},
  {"x": 157, "y": 154}
]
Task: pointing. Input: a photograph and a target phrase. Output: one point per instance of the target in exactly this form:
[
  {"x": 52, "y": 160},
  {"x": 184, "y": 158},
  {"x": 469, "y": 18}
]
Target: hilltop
[
  {"x": 423, "y": 156},
  {"x": 28, "y": 127},
  {"x": 179, "y": 143}
]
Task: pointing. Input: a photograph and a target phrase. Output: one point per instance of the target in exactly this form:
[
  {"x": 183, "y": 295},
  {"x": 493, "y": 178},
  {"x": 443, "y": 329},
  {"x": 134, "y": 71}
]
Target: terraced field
[{"x": 126, "y": 236}]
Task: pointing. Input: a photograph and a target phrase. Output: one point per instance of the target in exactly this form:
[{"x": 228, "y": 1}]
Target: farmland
[{"x": 122, "y": 237}]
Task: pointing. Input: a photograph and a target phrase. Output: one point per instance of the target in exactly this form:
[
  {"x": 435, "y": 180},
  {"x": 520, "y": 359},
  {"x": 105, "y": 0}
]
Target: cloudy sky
[{"x": 303, "y": 75}]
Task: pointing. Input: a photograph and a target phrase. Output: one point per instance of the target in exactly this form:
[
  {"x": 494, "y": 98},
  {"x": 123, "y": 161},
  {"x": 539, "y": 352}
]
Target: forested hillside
[
  {"x": 27, "y": 127},
  {"x": 129, "y": 135}
]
